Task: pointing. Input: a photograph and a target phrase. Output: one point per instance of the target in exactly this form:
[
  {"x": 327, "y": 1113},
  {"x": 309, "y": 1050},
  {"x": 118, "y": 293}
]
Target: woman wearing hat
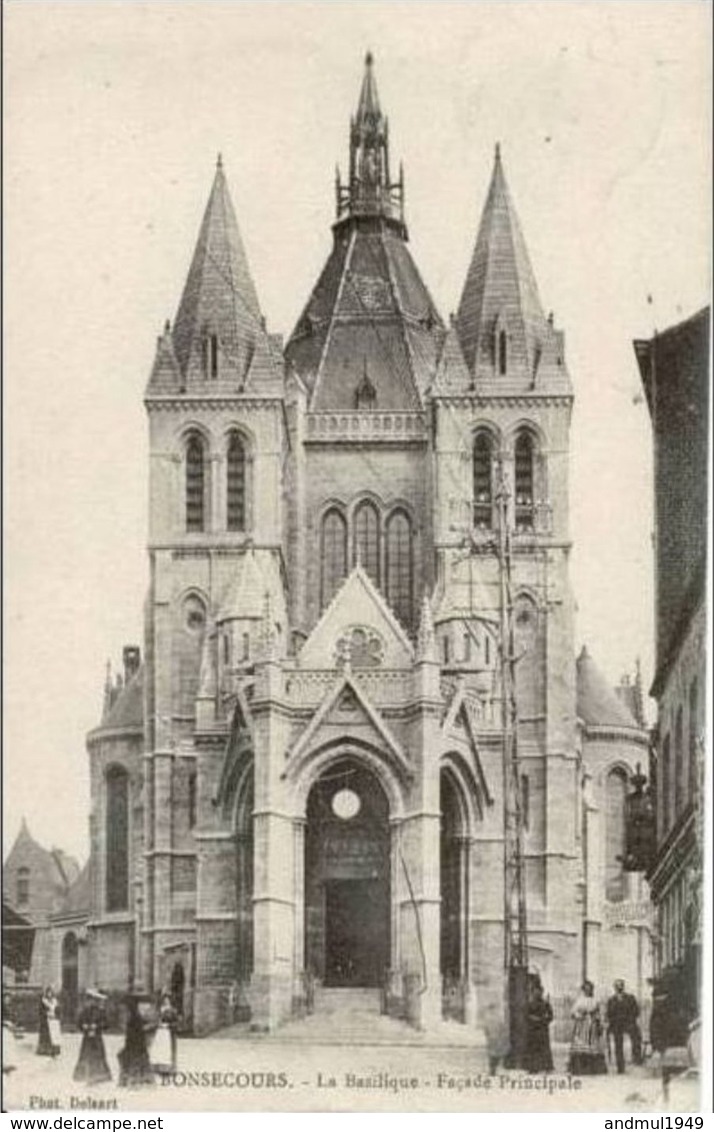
[
  {"x": 48, "y": 1044},
  {"x": 92, "y": 1064}
]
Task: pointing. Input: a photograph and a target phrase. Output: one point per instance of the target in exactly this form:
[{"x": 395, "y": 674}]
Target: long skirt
[
  {"x": 55, "y": 1035},
  {"x": 587, "y": 1056},
  {"x": 92, "y": 1064},
  {"x": 44, "y": 1041},
  {"x": 163, "y": 1050}
]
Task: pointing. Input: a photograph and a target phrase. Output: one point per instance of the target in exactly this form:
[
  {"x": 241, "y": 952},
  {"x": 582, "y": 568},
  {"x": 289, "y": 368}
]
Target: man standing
[{"x": 622, "y": 1014}]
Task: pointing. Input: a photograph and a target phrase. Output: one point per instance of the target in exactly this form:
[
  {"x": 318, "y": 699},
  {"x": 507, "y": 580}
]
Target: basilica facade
[{"x": 297, "y": 783}]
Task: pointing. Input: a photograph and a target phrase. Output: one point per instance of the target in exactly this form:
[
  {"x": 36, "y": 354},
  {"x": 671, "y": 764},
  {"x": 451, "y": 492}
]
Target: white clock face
[{"x": 346, "y": 804}]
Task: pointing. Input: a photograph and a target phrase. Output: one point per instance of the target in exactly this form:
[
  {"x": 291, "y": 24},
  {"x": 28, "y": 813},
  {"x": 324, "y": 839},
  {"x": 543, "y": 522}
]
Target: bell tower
[
  {"x": 214, "y": 403},
  {"x": 503, "y": 403}
]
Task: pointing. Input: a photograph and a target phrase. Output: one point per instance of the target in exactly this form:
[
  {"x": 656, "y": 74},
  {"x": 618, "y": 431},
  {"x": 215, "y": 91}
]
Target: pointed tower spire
[
  {"x": 219, "y": 324},
  {"x": 370, "y": 191},
  {"x": 501, "y": 325}
]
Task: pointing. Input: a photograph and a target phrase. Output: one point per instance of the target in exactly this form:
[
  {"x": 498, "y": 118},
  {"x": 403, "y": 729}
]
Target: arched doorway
[
  {"x": 244, "y": 880},
  {"x": 347, "y": 884},
  {"x": 454, "y": 877},
  {"x": 70, "y": 977}
]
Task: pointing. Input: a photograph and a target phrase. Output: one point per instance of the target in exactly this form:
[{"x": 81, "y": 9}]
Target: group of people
[
  {"x": 588, "y": 1048},
  {"x": 149, "y": 1040},
  {"x": 591, "y": 1031}
]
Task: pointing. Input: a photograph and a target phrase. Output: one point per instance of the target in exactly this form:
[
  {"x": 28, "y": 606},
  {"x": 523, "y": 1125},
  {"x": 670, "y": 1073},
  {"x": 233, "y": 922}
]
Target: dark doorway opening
[
  {"x": 347, "y": 893},
  {"x": 356, "y": 952}
]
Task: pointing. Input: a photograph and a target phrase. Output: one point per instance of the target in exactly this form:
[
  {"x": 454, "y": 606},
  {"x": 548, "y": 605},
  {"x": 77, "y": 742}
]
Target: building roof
[
  {"x": 79, "y": 894},
  {"x": 677, "y": 336},
  {"x": 219, "y": 302},
  {"x": 127, "y": 709},
  {"x": 369, "y": 312},
  {"x": 501, "y": 293},
  {"x": 598, "y": 705}
]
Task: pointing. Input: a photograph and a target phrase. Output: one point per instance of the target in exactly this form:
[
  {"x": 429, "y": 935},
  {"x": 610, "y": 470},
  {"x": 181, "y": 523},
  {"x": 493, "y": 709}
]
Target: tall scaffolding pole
[{"x": 515, "y": 949}]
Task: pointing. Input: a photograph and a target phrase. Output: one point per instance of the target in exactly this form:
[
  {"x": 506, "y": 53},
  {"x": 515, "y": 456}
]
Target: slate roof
[
  {"x": 598, "y": 705},
  {"x": 128, "y": 708},
  {"x": 369, "y": 306},
  {"x": 501, "y": 293},
  {"x": 219, "y": 299}
]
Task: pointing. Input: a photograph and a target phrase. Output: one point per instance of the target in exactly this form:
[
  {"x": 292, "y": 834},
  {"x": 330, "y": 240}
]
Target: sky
[{"x": 114, "y": 115}]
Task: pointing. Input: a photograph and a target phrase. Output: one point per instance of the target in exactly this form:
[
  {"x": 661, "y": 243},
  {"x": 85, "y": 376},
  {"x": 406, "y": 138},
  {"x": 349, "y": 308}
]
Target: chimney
[{"x": 132, "y": 660}]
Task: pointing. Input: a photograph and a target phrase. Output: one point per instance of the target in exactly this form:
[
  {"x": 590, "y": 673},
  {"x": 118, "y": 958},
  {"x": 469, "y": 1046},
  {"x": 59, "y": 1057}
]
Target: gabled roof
[
  {"x": 501, "y": 293},
  {"x": 357, "y": 604},
  {"x": 321, "y": 720},
  {"x": 452, "y": 373},
  {"x": 597, "y": 703},
  {"x": 245, "y": 594}
]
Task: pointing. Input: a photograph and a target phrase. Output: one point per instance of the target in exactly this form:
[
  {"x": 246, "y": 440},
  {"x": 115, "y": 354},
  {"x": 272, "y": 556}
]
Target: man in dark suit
[{"x": 622, "y": 1014}]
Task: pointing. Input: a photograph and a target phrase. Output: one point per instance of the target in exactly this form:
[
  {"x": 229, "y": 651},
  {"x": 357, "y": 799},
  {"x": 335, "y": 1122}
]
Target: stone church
[{"x": 297, "y": 784}]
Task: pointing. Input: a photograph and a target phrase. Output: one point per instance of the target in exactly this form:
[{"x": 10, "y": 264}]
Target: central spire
[{"x": 370, "y": 191}]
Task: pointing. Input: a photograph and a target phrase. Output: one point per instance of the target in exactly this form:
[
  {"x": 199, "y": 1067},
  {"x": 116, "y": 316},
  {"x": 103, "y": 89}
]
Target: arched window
[
  {"x": 399, "y": 566},
  {"x": 235, "y": 484},
  {"x": 502, "y": 352},
  {"x": 333, "y": 553},
  {"x": 678, "y": 764},
  {"x": 22, "y": 885},
  {"x": 366, "y": 539},
  {"x": 483, "y": 481},
  {"x": 693, "y": 752},
  {"x": 666, "y": 785},
  {"x": 195, "y": 484},
  {"x": 116, "y": 854},
  {"x": 524, "y": 482},
  {"x": 615, "y": 795}
]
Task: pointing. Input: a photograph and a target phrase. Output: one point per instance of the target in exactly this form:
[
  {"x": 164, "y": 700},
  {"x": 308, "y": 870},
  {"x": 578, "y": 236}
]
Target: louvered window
[
  {"x": 195, "y": 484},
  {"x": 483, "y": 482},
  {"x": 524, "y": 483},
  {"x": 366, "y": 540},
  {"x": 333, "y": 554},
  {"x": 235, "y": 484},
  {"x": 399, "y": 566}
]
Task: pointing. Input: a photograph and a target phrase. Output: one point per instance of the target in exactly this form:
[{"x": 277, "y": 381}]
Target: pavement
[{"x": 320, "y": 1065}]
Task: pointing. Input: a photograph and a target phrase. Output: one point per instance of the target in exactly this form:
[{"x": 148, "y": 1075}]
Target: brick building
[
  {"x": 302, "y": 782},
  {"x": 675, "y": 374}
]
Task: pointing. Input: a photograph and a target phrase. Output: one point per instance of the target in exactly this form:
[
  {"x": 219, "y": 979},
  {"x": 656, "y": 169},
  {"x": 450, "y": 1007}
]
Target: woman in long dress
[
  {"x": 539, "y": 1018},
  {"x": 163, "y": 1050},
  {"x": 92, "y": 1064},
  {"x": 48, "y": 1044},
  {"x": 134, "y": 1066},
  {"x": 587, "y": 1055}
]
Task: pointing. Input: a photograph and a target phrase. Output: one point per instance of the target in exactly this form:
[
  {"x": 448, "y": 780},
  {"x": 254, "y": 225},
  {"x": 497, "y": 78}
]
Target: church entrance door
[{"x": 347, "y": 884}]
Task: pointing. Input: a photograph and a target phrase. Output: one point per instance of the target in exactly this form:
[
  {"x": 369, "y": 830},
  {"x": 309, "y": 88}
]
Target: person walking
[
  {"x": 622, "y": 1013},
  {"x": 586, "y": 1055},
  {"x": 92, "y": 1064}
]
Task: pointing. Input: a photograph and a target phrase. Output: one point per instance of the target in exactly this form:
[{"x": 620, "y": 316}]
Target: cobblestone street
[{"x": 270, "y": 1074}]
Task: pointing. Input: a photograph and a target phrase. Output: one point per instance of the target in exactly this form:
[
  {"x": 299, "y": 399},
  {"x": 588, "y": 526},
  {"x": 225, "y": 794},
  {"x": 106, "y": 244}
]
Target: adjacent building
[{"x": 675, "y": 374}]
